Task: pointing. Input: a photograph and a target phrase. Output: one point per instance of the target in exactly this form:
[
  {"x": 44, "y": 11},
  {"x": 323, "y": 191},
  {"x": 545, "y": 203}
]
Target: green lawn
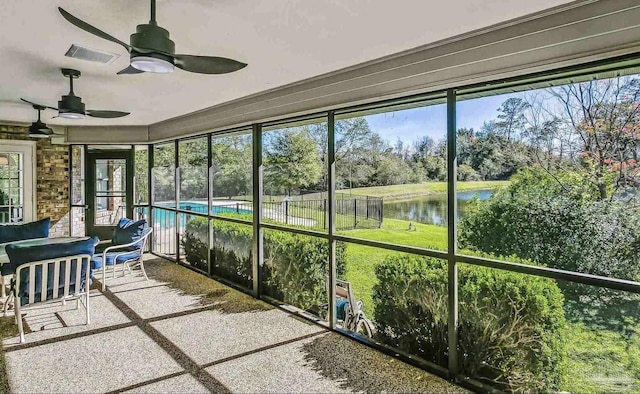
[
  {"x": 361, "y": 260},
  {"x": 414, "y": 190}
]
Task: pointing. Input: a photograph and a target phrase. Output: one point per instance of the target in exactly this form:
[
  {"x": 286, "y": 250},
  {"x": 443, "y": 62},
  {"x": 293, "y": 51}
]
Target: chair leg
[
  {"x": 86, "y": 306},
  {"x": 104, "y": 275},
  {"x": 19, "y": 321},
  {"x": 142, "y": 268},
  {"x": 7, "y": 302}
]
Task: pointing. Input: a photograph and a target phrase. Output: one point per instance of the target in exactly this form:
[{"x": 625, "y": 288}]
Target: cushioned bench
[{"x": 20, "y": 232}]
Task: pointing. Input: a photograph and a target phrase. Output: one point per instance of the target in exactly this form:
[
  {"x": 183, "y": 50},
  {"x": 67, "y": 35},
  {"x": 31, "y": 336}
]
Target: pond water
[{"x": 431, "y": 209}]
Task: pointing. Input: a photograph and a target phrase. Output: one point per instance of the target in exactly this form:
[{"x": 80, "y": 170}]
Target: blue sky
[{"x": 411, "y": 125}]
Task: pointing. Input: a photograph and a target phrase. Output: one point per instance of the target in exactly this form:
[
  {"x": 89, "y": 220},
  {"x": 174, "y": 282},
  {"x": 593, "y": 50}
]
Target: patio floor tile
[
  {"x": 179, "y": 384},
  {"x": 54, "y": 320},
  {"x": 327, "y": 363},
  {"x": 213, "y": 335},
  {"x": 156, "y": 300},
  {"x": 94, "y": 363}
]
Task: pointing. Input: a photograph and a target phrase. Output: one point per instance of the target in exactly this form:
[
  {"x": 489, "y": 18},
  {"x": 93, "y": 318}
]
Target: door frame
[
  {"x": 90, "y": 157},
  {"x": 30, "y": 166}
]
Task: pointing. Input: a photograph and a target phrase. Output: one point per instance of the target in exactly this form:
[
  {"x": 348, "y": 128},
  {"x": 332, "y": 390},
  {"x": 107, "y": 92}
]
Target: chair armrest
[
  {"x": 123, "y": 246},
  {"x": 140, "y": 242},
  {"x": 102, "y": 245}
]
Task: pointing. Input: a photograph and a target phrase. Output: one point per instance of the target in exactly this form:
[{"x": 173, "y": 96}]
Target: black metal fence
[{"x": 353, "y": 212}]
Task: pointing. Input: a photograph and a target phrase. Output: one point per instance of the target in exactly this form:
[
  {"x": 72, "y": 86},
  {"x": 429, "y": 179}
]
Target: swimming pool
[{"x": 166, "y": 218}]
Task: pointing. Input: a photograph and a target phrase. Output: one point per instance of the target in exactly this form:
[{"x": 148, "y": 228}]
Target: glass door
[
  {"x": 17, "y": 189},
  {"x": 109, "y": 191}
]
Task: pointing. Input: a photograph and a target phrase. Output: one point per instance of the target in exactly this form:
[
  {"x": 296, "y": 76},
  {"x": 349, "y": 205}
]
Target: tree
[
  {"x": 141, "y": 187},
  {"x": 511, "y": 118},
  {"x": 231, "y": 159},
  {"x": 292, "y": 160},
  {"x": 603, "y": 117}
]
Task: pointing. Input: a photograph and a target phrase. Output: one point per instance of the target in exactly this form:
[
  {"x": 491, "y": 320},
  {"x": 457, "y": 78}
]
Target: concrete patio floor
[{"x": 149, "y": 336}]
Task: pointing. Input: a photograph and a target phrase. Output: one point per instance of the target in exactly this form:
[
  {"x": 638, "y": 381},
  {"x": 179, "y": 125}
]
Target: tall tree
[
  {"x": 511, "y": 118},
  {"x": 292, "y": 160},
  {"x": 231, "y": 159},
  {"x": 604, "y": 118}
]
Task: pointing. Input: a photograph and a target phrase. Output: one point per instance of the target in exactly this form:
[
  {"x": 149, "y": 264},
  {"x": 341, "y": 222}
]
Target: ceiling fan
[
  {"x": 72, "y": 107},
  {"x": 151, "y": 50},
  {"x": 38, "y": 129}
]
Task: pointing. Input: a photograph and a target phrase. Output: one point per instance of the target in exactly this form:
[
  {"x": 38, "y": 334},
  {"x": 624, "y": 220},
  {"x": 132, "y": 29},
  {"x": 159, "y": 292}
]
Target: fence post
[
  {"x": 286, "y": 211},
  {"x": 237, "y": 207},
  {"x": 324, "y": 213},
  {"x": 380, "y": 212},
  {"x": 355, "y": 212},
  {"x": 367, "y": 213}
]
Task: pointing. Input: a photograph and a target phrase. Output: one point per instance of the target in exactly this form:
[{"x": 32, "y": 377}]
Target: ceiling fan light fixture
[
  {"x": 39, "y": 130},
  {"x": 152, "y": 64},
  {"x": 39, "y": 134},
  {"x": 71, "y": 115}
]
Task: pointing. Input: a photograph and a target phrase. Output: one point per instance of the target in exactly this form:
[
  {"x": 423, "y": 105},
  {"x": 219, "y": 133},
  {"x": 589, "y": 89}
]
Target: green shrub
[
  {"x": 194, "y": 242},
  {"x": 231, "y": 256},
  {"x": 232, "y": 252},
  {"x": 511, "y": 326},
  {"x": 536, "y": 219},
  {"x": 296, "y": 268}
]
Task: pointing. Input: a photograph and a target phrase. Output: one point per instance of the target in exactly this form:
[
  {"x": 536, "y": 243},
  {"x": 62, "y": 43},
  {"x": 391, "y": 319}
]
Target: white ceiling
[{"x": 283, "y": 41}]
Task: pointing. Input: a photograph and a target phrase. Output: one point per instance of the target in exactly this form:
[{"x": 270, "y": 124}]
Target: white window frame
[{"x": 28, "y": 151}]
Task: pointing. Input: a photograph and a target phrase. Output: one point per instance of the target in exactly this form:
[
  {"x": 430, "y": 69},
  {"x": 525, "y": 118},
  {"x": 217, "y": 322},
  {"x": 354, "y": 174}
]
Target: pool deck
[{"x": 150, "y": 336}]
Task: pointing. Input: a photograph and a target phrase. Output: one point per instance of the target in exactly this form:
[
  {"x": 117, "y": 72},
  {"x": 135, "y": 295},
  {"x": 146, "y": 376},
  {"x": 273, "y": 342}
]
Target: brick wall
[{"x": 52, "y": 179}]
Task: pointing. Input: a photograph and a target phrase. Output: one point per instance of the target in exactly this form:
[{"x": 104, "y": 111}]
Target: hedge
[
  {"x": 295, "y": 266},
  {"x": 511, "y": 326}
]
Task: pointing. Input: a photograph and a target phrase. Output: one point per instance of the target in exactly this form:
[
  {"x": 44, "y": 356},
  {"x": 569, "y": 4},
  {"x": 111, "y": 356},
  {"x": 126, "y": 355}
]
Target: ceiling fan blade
[
  {"x": 207, "y": 64},
  {"x": 90, "y": 29},
  {"x": 106, "y": 114},
  {"x": 46, "y": 106},
  {"x": 129, "y": 70}
]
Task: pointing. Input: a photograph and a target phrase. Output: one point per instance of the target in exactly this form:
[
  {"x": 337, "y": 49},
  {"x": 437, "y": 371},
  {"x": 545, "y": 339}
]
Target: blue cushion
[
  {"x": 18, "y": 232},
  {"x": 96, "y": 261},
  {"x": 128, "y": 231},
  {"x": 341, "y": 308},
  {"x": 24, "y": 254}
]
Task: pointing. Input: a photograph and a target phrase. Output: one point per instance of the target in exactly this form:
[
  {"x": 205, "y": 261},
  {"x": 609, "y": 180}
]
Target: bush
[
  {"x": 232, "y": 253},
  {"x": 295, "y": 266},
  {"x": 195, "y": 249},
  {"x": 467, "y": 173},
  {"x": 231, "y": 256},
  {"x": 537, "y": 220},
  {"x": 511, "y": 326}
]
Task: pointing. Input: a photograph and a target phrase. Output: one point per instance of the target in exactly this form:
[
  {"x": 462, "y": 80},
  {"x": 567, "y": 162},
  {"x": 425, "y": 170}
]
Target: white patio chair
[
  {"x": 127, "y": 255},
  {"x": 60, "y": 279}
]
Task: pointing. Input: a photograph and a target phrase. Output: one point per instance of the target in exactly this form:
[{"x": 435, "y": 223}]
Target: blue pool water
[{"x": 167, "y": 218}]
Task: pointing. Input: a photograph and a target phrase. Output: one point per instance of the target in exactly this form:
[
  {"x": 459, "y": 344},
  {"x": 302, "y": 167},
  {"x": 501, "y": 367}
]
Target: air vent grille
[{"x": 92, "y": 55}]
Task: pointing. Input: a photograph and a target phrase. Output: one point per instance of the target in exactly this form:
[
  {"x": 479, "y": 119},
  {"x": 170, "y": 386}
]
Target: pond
[{"x": 431, "y": 209}]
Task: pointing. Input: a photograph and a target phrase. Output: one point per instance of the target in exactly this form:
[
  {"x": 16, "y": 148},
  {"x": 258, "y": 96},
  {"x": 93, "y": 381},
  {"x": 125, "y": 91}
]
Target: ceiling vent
[{"x": 92, "y": 55}]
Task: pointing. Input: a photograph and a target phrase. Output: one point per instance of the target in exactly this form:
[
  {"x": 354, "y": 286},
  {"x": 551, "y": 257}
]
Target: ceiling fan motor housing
[
  {"x": 71, "y": 103},
  {"x": 154, "y": 38}
]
